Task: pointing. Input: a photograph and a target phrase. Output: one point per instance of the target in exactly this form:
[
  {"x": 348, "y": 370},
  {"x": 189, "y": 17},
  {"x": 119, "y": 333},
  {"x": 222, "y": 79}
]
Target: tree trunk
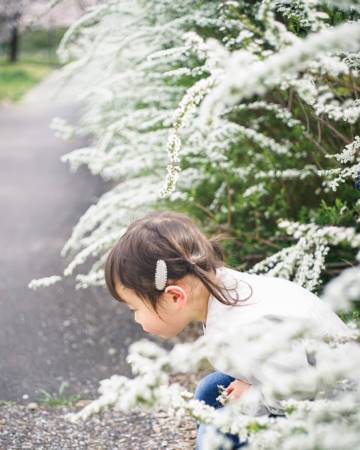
[{"x": 14, "y": 44}]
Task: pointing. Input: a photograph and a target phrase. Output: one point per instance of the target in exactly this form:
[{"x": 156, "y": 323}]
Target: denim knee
[
  {"x": 234, "y": 440},
  {"x": 207, "y": 390}
]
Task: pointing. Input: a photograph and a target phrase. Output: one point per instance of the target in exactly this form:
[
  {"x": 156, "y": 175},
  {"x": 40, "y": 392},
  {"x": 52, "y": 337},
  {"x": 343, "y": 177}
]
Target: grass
[
  {"x": 41, "y": 45},
  {"x": 58, "y": 399},
  {"x": 37, "y": 58},
  {"x": 16, "y": 79},
  {"x": 7, "y": 403},
  {"x": 46, "y": 398}
]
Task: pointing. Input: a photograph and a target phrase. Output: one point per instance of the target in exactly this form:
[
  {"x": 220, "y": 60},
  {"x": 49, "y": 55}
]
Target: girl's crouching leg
[
  {"x": 207, "y": 391},
  {"x": 232, "y": 441}
]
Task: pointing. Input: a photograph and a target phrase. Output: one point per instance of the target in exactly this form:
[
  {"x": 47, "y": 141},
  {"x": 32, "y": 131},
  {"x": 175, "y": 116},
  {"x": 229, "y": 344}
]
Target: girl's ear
[{"x": 176, "y": 296}]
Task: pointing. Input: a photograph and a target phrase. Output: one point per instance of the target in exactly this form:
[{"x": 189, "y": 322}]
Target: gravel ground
[
  {"x": 32, "y": 425},
  {"x": 42, "y": 427}
]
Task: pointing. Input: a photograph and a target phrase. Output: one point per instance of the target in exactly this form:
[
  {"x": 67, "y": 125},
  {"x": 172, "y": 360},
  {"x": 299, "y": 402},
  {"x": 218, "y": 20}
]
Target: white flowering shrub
[{"x": 244, "y": 114}]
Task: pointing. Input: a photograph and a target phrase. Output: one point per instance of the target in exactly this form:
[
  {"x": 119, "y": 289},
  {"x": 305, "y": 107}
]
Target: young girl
[{"x": 166, "y": 271}]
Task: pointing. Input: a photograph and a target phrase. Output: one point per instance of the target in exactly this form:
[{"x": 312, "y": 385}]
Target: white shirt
[{"x": 274, "y": 299}]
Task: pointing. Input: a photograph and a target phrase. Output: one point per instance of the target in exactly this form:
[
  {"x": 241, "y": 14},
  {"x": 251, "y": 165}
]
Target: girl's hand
[{"x": 236, "y": 389}]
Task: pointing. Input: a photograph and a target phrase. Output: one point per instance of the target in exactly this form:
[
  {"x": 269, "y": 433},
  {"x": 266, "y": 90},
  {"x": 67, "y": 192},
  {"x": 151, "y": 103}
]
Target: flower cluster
[{"x": 305, "y": 260}]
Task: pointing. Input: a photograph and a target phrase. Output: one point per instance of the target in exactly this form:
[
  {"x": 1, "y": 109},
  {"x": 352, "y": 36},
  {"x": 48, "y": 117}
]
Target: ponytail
[{"x": 175, "y": 238}]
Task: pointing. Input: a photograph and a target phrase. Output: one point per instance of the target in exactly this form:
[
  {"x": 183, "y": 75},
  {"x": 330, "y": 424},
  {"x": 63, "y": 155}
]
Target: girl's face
[{"x": 171, "y": 317}]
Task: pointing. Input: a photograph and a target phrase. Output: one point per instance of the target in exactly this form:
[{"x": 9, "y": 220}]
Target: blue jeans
[{"x": 207, "y": 390}]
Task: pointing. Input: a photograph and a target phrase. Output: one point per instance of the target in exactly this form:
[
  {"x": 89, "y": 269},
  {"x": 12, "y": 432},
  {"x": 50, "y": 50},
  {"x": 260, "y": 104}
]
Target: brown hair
[{"x": 173, "y": 237}]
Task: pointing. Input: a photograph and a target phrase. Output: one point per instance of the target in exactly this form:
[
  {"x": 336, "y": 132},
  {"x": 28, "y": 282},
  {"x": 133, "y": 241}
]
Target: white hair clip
[{"x": 160, "y": 274}]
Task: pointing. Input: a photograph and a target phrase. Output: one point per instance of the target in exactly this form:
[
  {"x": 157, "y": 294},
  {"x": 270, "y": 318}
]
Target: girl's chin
[
  {"x": 163, "y": 336},
  {"x": 154, "y": 333},
  {"x": 147, "y": 330}
]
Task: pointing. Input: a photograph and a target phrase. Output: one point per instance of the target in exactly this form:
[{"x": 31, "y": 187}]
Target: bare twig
[
  {"x": 334, "y": 130},
  {"x": 319, "y": 131},
  {"x": 290, "y": 100},
  {"x": 305, "y": 114},
  {"x": 228, "y": 202}
]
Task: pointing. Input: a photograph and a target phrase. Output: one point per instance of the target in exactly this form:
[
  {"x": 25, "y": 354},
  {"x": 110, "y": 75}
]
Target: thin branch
[
  {"x": 306, "y": 116},
  {"x": 315, "y": 142},
  {"x": 353, "y": 83},
  {"x": 319, "y": 131},
  {"x": 333, "y": 129},
  {"x": 290, "y": 100},
  {"x": 228, "y": 202}
]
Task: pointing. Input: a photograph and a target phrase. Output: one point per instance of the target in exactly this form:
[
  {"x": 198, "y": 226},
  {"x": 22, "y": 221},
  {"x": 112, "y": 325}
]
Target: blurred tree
[
  {"x": 10, "y": 16},
  {"x": 16, "y": 14}
]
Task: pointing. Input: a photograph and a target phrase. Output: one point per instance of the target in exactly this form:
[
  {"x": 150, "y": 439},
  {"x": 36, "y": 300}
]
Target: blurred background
[
  {"x": 51, "y": 336},
  {"x": 29, "y": 35}
]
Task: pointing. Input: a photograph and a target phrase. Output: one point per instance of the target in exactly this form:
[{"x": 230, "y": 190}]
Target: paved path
[{"x": 52, "y": 334}]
